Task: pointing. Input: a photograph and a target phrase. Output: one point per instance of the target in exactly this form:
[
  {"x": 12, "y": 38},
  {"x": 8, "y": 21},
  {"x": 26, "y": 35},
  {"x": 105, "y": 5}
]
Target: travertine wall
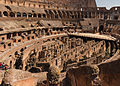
[
  {"x": 71, "y": 3},
  {"x": 105, "y": 74}
]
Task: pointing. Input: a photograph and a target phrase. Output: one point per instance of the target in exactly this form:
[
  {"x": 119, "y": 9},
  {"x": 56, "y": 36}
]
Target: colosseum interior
[{"x": 59, "y": 43}]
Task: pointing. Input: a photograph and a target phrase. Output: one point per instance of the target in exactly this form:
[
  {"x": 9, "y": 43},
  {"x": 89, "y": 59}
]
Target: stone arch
[
  {"x": 29, "y": 14},
  {"x": 47, "y": 13},
  {"x": 76, "y": 14},
  {"x": 16, "y": 53},
  {"x": 56, "y": 15},
  {"x": 86, "y": 15},
  {"x": 18, "y": 63},
  {"x": 90, "y": 15},
  {"x": 11, "y": 64},
  {"x": 60, "y": 14},
  {"x": 51, "y": 14},
  {"x": 101, "y": 28},
  {"x": 30, "y": 59},
  {"x": 64, "y": 14},
  {"x": 22, "y": 50},
  {"x": 18, "y": 14},
  {"x": 82, "y": 14},
  {"x": 24, "y": 14},
  {"x": 116, "y": 17},
  {"x": 105, "y": 16},
  {"x": 12, "y": 14},
  {"x": 5, "y": 13},
  {"x": 39, "y": 15},
  {"x": 34, "y": 15},
  {"x": 67, "y": 13},
  {"x": 44, "y": 16}
]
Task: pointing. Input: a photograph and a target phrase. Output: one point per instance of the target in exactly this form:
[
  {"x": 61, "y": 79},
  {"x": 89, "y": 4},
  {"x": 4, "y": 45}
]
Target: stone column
[
  {"x": 23, "y": 66},
  {"x": 109, "y": 47},
  {"x": 44, "y": 32}
]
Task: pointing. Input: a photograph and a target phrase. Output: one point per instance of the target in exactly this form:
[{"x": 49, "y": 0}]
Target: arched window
[
  {"x": 24, "y": 15},
  {"x": 12, "y": 14},
  {"x": 18, "y": 14},
  {"x": 89, "y": 14},
  {"x": 44, "y": 16},
  {"x": 22, "y": 50},
  {"x": 86, "y": 15},
  {"x": 5, "y": 13},
  {"x": 29, "y": 14},
  {"x": 34, "y": 15},
  {"x": 101, "y": 28},
  {"x": 16, "y": 53},
  {"x": 60, "y": 14},
  {"x": 39, "y": 15}
]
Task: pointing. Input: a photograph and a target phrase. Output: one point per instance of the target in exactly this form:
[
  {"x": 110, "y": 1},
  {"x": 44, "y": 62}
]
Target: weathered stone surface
[
  {"x": 82, "y": 76},
  {"x": 18, "y": 78},
  {"x": 53, "y": 75},
  {"x": 23, "y": 78},
  {"x": 40, "y": 78},
  {"x": 2, "y": 72},
  {"x": 105, "y": 74},
  {"x": 110, "y": 73}
]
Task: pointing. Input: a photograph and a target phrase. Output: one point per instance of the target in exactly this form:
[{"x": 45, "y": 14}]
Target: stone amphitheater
[{"x": 59, "y": 43}]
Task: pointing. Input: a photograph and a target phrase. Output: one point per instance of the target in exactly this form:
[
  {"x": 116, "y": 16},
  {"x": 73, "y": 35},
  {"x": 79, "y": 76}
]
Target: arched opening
[
  {"x": 60, "y": 14},
  {"x": 47, "y": 13},
  {"x": 82, "y": 15},
  {"x": 101, "y": 28},
  {"x": 85, "y": 14},
  {"x": 8, "y": 36},
  {"x": 34, "y": 15},
  {"x": 78, "y": 14},
  {"x": 24, "y": 15},
  {"x": 67, "y": 14},
  {"x": 16, "y": 53},
  {"x": 5, "y": 13},
  {"x": 18, "y": 63},
  {"x": 44, "y": 16},
  {"x": 64, "y": 15},
  {"x": 18, "y": 14},
  {"x": 116, "y": 17},
  {"x": 39, "y": 15},
  {"x": 51, "y": 14},
  {"x": 22, "y": 50},
  {"x": 12, "y": 14},
  {"x": 89, "y": 14},
  {"x": 56, "y": 62},
  {"x": 29, "y": 14},
  {"x": 10, "y": 64}
]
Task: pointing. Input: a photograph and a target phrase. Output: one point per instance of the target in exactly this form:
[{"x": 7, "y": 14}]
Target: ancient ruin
[{"x": 59, "y": 43}]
